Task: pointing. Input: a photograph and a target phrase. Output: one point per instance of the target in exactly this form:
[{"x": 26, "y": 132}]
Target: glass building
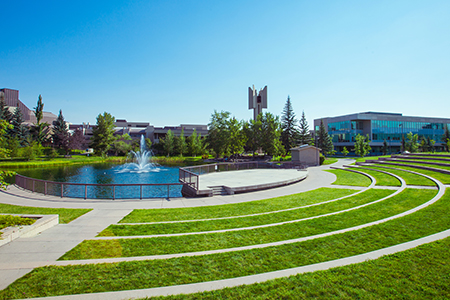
[{"x": 380, "y": 127}]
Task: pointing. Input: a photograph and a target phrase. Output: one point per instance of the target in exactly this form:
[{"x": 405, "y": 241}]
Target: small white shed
[{"x": 306, "y": 155}]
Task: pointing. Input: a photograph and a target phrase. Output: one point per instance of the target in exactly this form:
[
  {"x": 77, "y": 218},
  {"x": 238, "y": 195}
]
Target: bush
[
  {"x": 321, "y": 159},
  {"x": 8, "y": 220},
  {"x": 205, "y": 156}
]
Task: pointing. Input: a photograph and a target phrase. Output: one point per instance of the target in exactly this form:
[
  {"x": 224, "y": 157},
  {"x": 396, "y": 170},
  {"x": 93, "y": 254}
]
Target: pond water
[{"x": 106, "y": 174}]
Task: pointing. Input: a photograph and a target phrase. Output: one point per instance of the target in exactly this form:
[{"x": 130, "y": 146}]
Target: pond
[{"x": 106, "y": 173}]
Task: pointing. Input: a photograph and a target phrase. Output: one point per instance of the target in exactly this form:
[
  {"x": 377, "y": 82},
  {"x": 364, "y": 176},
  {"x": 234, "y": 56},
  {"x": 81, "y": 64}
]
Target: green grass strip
[
  {"x": 199, "y": 226},
  {"x": 419, "y": 273},
  {"x": 329, "y": 161},
  {"x": 78, "y": 279},
  {"x": 350, "y": 178},
  {"x": 404, "y": 201},
  {"x": 423, "y": 165},
  {"x": 46, "y": 162},
  {"x": 444, "y": 178},
  {"x": 65, "y": 214},
  {"x": 382, "y": 179},
  {"x": 228, "y": 210},
  {"x": 410, "y": 178},
  {"x": 8, "y": 221}
]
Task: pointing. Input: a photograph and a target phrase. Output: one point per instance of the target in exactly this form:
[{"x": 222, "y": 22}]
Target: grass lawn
[
  {"x": 423, "y": 164},
  {"x": 363, "y": 159},
  {"x": 382, "y": 179},
  {"x": 404, "y": 201},
  {"x": 444, "y": 178},
  {"x": 52, "y": 281},
  {"x": 419, "y": 273},
  {"x": 65, "y": 214},
  {"x": 329, "y": 160},
  {"x": 46, "y": 162},
  {"x": 410, "y": 178},
  {"x": 8, "y": 221},
  {"x": 199, "y": 226},
  {"x": 239, "y": 209},
  {"x": 350, "y": 178}
]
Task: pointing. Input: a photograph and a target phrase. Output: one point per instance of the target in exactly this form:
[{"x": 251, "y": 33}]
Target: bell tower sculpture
[{"x": 257, "y": 101}]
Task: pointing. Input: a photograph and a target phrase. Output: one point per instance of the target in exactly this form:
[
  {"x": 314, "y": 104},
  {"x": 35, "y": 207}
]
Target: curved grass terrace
[
  {"x": 382, "y": 179},
  {"x": 350, "y": 178},
  {"x": 257, "y": 220},
  {"x": 79, "y": 279},
  {"x": 400, "y": 203},
  {"x": 410, "y": 178},
  {"x": 179, "y": 246},
  {"x": 238, "y": 209}
]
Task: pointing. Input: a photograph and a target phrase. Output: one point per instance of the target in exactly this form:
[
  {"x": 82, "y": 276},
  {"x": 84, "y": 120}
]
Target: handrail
[{"x": 22, "y": 181}]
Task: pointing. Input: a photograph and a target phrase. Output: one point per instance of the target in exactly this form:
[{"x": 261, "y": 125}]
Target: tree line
[{"x": 20, "y": 140}]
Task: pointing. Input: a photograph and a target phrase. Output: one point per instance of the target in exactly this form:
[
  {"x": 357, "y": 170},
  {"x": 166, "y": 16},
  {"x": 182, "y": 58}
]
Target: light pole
[{"x": 403, "y": 138}]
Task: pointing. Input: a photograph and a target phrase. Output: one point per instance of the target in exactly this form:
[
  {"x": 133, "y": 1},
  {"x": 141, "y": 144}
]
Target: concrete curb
[{"x": 42, "y": 223}]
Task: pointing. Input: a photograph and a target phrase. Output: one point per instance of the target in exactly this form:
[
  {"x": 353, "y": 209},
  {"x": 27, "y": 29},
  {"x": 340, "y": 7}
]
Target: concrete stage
[{"x": 232, "y": 182}]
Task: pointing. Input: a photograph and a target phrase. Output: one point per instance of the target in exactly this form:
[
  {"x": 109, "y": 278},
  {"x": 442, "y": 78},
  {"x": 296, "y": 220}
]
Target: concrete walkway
[{"x": 19, "y": 255}]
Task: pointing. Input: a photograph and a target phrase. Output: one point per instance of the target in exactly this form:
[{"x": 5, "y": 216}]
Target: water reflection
[{"x": 104, "y": 174}]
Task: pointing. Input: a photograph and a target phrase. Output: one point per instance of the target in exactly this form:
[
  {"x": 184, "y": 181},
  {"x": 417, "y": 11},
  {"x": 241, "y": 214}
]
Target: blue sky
[{"x": 173, "y": 62}]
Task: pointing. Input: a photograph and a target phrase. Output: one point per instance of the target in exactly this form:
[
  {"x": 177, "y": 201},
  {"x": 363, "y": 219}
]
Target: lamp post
[
  {"x": 390, "y": 150},
  {"x": 403, "y": 138}
]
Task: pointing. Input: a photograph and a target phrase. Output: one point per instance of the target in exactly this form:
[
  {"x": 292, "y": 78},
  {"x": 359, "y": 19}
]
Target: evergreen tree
[
  {"x": 103, "y": 134},
  {"x": 322, "y": 136},
  {"x": 362, "y": 145},
  {"x": 289, "y": 130},
  {"x": 328, "y": 147},
  {"x": 19, "y": 131},
  {"x": 39, "y": 110},
  {"x": 40, "y": 130},
  {"x": 61, "y": 133},
  {"x": 304, "y": 136},
  {"x": 5, "y": 114},
  {"x": 181, "y": 143}
]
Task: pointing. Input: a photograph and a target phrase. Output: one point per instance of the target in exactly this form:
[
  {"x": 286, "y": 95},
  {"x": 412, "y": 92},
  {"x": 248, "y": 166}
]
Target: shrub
[{"x": 321, "y": 159}]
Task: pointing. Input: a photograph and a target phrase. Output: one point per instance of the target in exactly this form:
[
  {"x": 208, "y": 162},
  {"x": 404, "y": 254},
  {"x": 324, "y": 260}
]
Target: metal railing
[
  {"x": 190, "y": 175},
  {"x": 101, "y": 191}
]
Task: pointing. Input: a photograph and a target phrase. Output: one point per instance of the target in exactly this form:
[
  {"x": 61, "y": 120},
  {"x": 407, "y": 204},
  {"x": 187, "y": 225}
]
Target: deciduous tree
[
  {"x": 362, "y": 145},
  {"x": 103, "y": 133},
  {"x": 218, "y": 133},
  {"x": 169, "y": 143},
  {"x": 181, "y": 143}
]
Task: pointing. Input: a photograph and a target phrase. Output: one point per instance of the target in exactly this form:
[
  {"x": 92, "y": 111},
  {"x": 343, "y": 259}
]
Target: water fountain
[{"x": 141, "y": 162}]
